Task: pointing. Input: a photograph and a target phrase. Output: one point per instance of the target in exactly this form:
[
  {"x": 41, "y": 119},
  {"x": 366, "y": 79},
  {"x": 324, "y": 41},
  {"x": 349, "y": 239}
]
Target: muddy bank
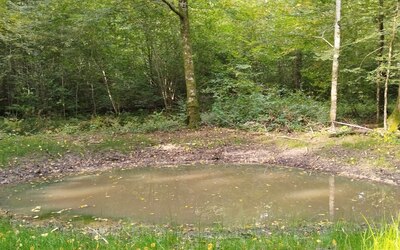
[{"x": 166, "y": 154}]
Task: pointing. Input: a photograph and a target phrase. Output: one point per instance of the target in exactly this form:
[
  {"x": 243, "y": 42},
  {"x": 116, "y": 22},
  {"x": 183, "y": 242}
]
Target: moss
[{"x": 394, "y": 121}]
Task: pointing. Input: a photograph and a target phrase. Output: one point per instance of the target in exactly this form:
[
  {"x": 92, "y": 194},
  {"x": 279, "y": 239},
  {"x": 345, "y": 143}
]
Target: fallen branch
[
  {"x": 359, "y": 127},
  {"x": 353, "y": 125}
]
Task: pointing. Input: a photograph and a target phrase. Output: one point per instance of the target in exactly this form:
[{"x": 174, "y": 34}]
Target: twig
[
  {"x": 96, "y": 232},
  {"x": 323, "y": 38},
  {"x": 369, "y": 55}
]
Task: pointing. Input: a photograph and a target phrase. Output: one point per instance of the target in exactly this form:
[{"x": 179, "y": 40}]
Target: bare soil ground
[{"x": 356, "y": 156}]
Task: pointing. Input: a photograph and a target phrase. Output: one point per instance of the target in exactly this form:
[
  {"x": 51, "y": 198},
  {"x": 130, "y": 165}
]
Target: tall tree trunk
[
  {"x": 335, "y": 66},
  {"x": 191, "y": 91},
  {"x": 193, "y": 107},
  {"x": 63, "y": 95},
  {"x": 94, "y": 110},
  {"x": 280, "y": 71},
  {"x": 76, "y": 99},
  {"x": 115, "y": 108},
  {"x": 380, "y": 73},
  {"x": 297, "y": 65},
  {"x": 392, "y": 123}
]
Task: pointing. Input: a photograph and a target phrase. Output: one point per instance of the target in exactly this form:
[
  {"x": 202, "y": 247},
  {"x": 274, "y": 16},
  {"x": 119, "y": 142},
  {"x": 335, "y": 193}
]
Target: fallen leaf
[{"x": 36, "y": 209}]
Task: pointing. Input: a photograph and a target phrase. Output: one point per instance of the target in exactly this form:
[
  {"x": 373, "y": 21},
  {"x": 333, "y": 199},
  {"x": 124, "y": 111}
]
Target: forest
[
  {"x": 201, "y": 124},
  {"x": 259, "y": 64}
]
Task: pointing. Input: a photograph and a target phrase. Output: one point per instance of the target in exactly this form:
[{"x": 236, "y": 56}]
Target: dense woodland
[{"x": 256, "y": 63}]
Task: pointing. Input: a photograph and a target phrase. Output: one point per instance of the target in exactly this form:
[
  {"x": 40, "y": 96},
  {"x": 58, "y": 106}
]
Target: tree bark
[
  {"x": 335, "y": 65},
  {"x": 297, "y": 65},
  {"x": 380, "y": 73},
  {"x": 94, "y": 108},
  {"x": 63, "y": 95},
  {"x": 115, "y": 108},
  {"x": 391, "y": 124},
  {"x": 192, "y": 102}
]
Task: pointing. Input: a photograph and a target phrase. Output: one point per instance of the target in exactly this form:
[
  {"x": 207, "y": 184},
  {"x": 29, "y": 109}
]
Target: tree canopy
[{"x": 74, "y": 58}]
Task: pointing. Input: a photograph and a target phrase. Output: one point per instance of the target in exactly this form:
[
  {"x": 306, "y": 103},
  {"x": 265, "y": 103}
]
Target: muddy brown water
[{"x": 231, "y": 195}]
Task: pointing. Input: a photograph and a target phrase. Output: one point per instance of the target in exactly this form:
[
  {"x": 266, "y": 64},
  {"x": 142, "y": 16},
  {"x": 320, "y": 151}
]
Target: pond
[{"x": 203, "y": 195}]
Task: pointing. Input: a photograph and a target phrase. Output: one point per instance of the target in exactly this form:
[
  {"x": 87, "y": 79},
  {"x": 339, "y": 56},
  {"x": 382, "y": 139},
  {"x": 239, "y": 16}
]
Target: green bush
[
  {"x": 274, "y": 110},
  {"x": 15, "y": 126},
  {"x": 157, "y": 121}
]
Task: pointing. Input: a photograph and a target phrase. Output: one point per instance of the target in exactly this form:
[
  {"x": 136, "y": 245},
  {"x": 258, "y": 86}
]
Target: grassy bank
[
  {"x": 15, "y": 148},
  {"x": 107, "y": 134},
  {"x": 336, "y": 236},
  {"x": 21, "y": 144}
]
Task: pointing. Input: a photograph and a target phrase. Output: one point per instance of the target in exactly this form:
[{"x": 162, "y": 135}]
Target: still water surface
[{"x": 232, "y": 195}]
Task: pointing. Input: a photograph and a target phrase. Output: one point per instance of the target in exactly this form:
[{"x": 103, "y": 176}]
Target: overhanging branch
[{"x": 173, "y": 8}]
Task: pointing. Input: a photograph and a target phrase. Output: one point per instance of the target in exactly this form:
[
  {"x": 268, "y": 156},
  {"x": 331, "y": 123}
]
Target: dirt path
[{"x": 223, "y": 146}]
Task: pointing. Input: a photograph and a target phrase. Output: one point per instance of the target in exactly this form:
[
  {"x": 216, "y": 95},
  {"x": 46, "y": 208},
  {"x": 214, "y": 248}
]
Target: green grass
[
  {"x": 386, "y": 237},
  {"x": 14, "y": 147},
  {"x": 338, "y": 236},
  {"x": 362, "y": 143},
  {"x": 122, "y": 143}
]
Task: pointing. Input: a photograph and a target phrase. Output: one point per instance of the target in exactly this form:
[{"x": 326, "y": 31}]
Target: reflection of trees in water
[{"x": 332, "y": 197}]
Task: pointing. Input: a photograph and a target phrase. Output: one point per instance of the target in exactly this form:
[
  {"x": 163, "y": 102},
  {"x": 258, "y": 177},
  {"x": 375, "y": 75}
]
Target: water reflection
[
  {"x": 233, "y": 195},
  {"x": 332, "y": 197}
]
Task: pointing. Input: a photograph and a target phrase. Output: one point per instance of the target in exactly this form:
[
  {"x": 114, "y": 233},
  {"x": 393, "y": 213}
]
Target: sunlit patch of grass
[
  {"x": 122, "y": 143},
  {"x": 291, "y": 143},
  {"x": 14, "y": 147},
  {"x": 206, "y": 138},
  {"x": 382, "y": 162},
  {"x": 361, "y": 143},
  {"x": 385, "y": 237}
]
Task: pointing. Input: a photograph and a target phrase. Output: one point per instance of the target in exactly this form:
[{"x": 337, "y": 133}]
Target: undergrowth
[
  {"x": 272, "y": 111},
  {"x": 117, "y": 124}
]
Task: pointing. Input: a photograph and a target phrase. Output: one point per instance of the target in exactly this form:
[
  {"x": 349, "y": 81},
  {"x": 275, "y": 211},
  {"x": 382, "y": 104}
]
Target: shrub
[{"x": 274, "y": 110}]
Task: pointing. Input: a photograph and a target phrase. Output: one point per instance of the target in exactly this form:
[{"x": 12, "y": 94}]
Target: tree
[
  {"x": 335, "y": 65},
  {"x": 381, "y": 47},
  {"x": 193, "y": 107},
  {"x": 392, "y": 123}
]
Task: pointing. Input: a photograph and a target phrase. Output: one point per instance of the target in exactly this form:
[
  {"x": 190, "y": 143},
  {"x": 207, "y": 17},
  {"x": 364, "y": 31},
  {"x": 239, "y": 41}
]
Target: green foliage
[
  {"x": 362, "y": 111},
  {"x": 28, "y": 126},
  {"x": 275, "y": 110},
  {"x": 66, "y": 58},
  {"x": 157, "y": 121},
  {"x": 136, "y": 124}
]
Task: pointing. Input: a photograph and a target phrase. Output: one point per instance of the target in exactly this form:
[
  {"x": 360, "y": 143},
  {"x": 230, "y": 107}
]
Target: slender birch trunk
[
  {"x": 379, "y": 72},
  {"x": 115, "y": 108},
  {"x": 335, "y": 66}
]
